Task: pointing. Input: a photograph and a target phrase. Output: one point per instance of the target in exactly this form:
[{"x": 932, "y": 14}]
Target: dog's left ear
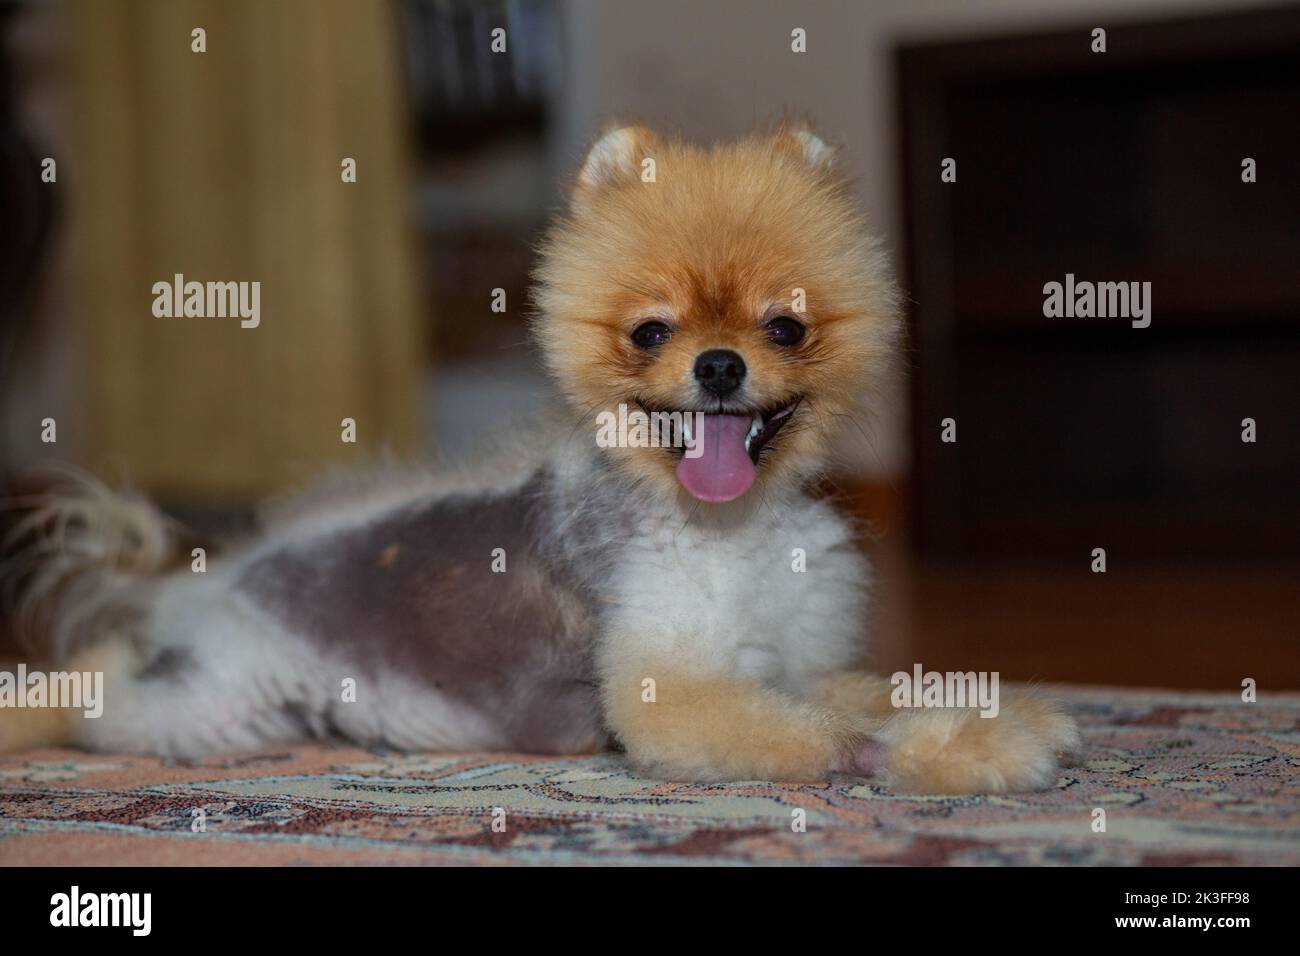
[
  {"x": 799, "y": 140},
  {"x": 616, "y": 157}
]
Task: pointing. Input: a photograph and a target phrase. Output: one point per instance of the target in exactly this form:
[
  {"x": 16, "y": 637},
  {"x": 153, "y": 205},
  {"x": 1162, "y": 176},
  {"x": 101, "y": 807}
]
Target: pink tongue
[{"x": 724, "y": 470}]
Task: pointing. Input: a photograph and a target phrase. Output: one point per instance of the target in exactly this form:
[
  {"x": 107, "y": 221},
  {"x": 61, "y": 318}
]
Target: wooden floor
[
  {"x": 1154, "y": 625},
  {"x": 1159, "y": 627}
]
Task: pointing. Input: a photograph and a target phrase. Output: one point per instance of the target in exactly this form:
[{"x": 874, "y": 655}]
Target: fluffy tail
[{"x": 72, "y": 563}]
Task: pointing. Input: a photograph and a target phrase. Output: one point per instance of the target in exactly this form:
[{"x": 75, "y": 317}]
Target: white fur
[{"x": 723, "y": 598}]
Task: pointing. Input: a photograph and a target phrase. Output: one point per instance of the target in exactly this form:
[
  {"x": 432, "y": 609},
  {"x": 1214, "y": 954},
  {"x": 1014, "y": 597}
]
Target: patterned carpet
[{"x": 1183, "y": 779}]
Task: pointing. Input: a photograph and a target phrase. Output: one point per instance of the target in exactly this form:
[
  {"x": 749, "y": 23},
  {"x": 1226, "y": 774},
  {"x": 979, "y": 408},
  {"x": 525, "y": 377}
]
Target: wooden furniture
[{"x": 1116, "y": 166}]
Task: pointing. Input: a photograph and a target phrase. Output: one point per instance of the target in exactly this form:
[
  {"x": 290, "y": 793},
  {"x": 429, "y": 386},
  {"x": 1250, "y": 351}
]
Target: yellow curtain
[{"x": 225, "y": 166}]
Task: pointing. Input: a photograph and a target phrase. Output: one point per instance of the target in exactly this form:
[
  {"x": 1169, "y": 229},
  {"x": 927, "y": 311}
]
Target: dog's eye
[
  {"x": 649, "y": 335},
  {"x": 785, "y": 331}
]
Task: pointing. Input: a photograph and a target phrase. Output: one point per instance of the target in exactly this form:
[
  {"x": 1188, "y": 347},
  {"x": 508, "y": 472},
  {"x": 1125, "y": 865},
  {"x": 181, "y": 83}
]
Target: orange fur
[
  {"x": 857, "y": 692},
  {"x": 724, "y": 728},
  {"x": 955, "y": 750},
  {"x": 713, "y": 246}
]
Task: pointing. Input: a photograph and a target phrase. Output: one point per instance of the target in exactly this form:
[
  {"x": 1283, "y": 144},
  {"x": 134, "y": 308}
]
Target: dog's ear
[
  {"x": 798, "y": 139},
  {"x": 617, "y": 156}
]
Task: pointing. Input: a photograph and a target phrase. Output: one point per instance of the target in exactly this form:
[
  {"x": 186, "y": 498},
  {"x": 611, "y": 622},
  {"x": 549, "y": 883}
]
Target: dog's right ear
[
  {"x": 618, "y": 156},
  {"x": 798, "y": 139}
]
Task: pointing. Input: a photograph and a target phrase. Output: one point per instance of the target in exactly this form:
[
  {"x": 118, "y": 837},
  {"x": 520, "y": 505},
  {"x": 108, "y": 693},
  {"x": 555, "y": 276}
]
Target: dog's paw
[{"x": 956, "y": 751}]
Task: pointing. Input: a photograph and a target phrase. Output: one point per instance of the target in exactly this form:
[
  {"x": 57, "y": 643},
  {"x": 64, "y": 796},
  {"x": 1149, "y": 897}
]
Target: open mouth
[
  {"x": 721, "y": 451},
  {"x": 764, "y": 426}
]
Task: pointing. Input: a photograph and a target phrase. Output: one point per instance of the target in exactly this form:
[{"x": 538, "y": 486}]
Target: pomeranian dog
[{"x": 689, "y": 601}]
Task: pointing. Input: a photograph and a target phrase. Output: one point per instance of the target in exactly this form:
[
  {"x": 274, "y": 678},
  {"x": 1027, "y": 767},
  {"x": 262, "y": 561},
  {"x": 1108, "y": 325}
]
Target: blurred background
[{"x": 377, "y": 295}]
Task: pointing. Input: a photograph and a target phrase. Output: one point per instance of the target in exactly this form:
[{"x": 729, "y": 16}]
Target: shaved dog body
[{"x": 681, "y": 596}]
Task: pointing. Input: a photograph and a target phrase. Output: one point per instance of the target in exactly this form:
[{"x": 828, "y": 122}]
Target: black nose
[{"x": 720, "y": 371}]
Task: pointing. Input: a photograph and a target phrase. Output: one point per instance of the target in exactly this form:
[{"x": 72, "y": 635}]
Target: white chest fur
[{"x": 779, "y": 597}]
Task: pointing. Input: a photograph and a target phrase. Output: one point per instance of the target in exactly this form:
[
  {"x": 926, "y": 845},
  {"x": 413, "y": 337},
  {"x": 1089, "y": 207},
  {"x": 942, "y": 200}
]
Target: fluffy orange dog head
[{"x": 735, "y": 282}]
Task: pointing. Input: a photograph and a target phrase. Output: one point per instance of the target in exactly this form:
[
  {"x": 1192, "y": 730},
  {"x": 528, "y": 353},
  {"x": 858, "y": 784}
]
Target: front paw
[{"x": 956, "y": 751}]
